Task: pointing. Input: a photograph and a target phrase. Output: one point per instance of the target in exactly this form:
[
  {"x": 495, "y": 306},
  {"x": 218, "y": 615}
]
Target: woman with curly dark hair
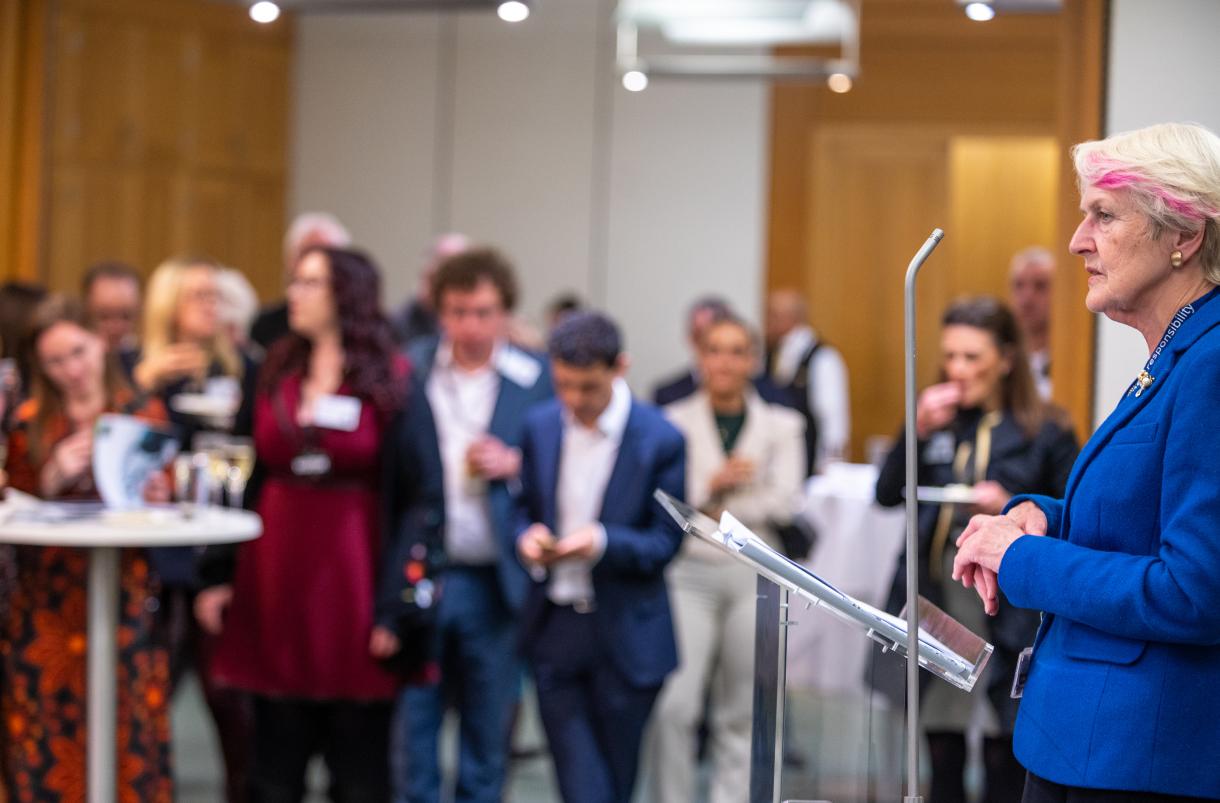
[{"x": 298, "y": 623}]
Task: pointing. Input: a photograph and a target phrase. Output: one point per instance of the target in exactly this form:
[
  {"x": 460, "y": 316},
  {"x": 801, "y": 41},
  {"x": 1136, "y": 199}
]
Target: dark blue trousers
[
  {"x": 480, "y": 678},
  {"x": 594, "y": 719}
]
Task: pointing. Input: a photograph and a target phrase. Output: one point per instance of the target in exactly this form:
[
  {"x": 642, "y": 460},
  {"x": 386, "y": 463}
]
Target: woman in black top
[{"x": 983, "y": 427}]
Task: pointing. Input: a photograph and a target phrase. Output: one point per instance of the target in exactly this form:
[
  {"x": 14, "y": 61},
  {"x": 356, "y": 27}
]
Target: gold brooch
[{"x": 1145, "y": 379}]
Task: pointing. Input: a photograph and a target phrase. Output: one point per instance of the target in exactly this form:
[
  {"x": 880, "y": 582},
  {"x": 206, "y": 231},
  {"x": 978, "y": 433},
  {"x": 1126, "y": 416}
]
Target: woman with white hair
[{"x": 1120, "y": 698}]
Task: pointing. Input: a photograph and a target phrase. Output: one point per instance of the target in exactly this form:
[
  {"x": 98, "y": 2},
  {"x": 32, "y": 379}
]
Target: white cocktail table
[{"x": 104, "y": 535}]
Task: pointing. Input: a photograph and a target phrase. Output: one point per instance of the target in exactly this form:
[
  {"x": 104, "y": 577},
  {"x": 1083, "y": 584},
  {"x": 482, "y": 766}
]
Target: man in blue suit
[
  {"x": 479, "y": 388},
  {"x": 597, "y": 627}
]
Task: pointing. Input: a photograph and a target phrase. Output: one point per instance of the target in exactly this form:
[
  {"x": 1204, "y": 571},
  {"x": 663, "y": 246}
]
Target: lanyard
[{"x": 1145, "y": 378}]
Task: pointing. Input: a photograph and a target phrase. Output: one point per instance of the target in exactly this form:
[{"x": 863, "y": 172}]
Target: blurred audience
[
  {"x": 701, "y": 315},
  {"x": 297, "y": 617},
  {"x": 308, "y": 230},
  {"x": 480, "y": 387},
  {"x": 111, "y": 294},
  {"x": 188, "y": 355},
  {"x": 238, "y": 308},
  {"x": 560, "y": 308},
  {"x": 596, "y": 627},
  {"x": 417, "y": 317},
  {"x": 1031, "y": 279},
  {"x": 43, "y": 639},
  {"x": 814, "y": 375},
  {"x": 983, "y": 427},
  {"x": 17, "y": 302},
  {"x": 744, "y": 455}
]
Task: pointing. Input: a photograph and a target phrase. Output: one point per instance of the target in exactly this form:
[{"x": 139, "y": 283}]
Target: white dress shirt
[
  {"x": 829, "y": 397},
  {"x": 586, "y": 460},
  {"x": 1040, "y": 367},
  {"x": 462, "y": 405}
]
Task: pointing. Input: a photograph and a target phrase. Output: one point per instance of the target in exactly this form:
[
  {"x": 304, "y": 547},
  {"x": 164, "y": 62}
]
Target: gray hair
[{"x": 313, "y": 228}]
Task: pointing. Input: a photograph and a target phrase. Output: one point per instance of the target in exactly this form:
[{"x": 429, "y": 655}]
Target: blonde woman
[
  {"x": 748, "y": 456},
  {"x": 187, "y": 349}
]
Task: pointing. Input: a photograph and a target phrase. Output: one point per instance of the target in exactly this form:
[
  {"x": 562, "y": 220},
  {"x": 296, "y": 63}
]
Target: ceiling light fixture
[
  {"x": 739, "y": 39},
  {"x": 980, "y": 12},
  {"x": 635, "y": 81},
  {"x": 513, "y": 11},
  {"x": 839, "y": 82},
  {"x": 265, "y": 12}
]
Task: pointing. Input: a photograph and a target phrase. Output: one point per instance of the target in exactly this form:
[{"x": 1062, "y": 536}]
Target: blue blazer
[
  {"x": 1124, "y": 690},
  {"x": 632, "y": 615},
  {"x": 507, "y": 424}
]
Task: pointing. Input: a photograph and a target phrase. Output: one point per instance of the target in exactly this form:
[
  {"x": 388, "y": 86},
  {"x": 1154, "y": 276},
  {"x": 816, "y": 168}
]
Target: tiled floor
[
  {"x": 199, "y": 776},
  {"x": 838, "y": 750}
]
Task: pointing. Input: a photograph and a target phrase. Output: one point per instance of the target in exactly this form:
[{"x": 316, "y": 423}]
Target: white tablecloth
[{"x": 858, "y": 546}]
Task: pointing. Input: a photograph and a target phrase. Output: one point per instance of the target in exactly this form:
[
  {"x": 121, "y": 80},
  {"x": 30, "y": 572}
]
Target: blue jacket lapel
[
  {"x": 550, "y": 443},
  {"x": 1194, "y": 328}
]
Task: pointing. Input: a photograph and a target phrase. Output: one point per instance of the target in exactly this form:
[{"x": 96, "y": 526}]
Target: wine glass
[{"x": 240, "y": 455}]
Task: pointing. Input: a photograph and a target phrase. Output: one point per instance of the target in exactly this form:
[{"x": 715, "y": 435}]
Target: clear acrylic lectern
[{"x": 828, "y": 717}]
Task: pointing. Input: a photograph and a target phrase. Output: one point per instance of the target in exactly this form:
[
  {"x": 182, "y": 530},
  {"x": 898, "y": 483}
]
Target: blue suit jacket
[
  {"x": 632, "y": 615},
  {"x": 507, "y": 424},
  {"x": 1124, "y": 691}
]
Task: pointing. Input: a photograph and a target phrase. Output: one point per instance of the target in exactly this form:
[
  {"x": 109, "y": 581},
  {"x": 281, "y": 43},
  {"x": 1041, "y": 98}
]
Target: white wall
[
  {"x": 1163, "y": 67},
  {"x": 410, "y": 124}
]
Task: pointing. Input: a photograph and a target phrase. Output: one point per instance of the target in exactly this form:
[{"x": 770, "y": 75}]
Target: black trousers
[
  {"x": 1040, "y": 790},
  {"x": 353, "y": 738}
]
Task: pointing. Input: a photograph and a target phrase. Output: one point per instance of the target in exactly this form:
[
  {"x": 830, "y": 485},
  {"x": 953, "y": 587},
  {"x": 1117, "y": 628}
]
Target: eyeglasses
[{"x": 308, "y": 282}]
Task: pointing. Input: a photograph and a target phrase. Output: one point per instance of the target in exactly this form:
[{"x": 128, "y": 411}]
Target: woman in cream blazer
[{"x": 746, "y": 456}]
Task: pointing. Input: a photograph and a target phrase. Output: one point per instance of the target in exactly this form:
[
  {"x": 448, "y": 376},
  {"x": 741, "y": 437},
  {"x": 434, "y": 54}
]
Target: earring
[{"x": 1175, "y": 259}]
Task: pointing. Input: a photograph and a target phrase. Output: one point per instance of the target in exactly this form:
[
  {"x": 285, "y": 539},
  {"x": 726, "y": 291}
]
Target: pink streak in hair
[{"x": 1113, "y": 175}]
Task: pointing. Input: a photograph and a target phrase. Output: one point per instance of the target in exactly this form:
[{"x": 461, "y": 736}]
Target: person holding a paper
[
  {"x": 42, "y": 637},
  {"x": 1120, "y": 694},
  {"x": 984, "y": 434}
]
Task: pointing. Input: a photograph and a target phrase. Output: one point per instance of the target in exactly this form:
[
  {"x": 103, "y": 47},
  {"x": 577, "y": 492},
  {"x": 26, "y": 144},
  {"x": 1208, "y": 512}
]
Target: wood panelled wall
[
  {"x": 952, "y": 124},
  {"x": 165, "y": 133},
  {"x": 22, "y": 73}
]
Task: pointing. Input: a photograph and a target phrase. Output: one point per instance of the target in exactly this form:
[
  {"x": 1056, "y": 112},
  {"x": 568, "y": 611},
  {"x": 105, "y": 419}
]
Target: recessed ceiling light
[
  {"x": 980, "y": 12},
  {"x": 635, "y": 81},
  {"x": 264, "y": 11},
  {"x": 839, "y": 82},
  {"x": 513, "y": 11}
]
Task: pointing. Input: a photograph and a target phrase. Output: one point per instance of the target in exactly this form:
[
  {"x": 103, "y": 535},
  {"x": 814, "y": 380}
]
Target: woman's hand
[
  {"x": 169, "y": 364},
  {"x": 990, "y": 497},
  {"x": 1027, "y": 518},
  {"x": 210, "y": 607},
  {"x": 158, "y": 490},
  {"x": 492, "y": 459},
  {"x": 936, "y": 407},
  {"x": 70, "y": 460},
  {"x": 383, "y": 643},
  {"x": 736, "y": 472}
]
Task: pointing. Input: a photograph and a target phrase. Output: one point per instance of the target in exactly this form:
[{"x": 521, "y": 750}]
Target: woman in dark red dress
[
  {"x": 298, "y": 625},
  {"x": 42, "y": 636}
]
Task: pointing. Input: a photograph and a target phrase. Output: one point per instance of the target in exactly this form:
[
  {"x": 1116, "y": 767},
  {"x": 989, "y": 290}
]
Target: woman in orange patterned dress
[{"x": 43, "y": 636}]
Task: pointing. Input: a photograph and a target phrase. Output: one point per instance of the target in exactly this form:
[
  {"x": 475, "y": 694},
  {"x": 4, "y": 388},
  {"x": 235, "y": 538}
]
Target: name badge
[
  {"x": 337, "y": 412},
  {"x": 1022, "y": 673},
  {"x": 311, "y": 464},
  {"x": 940, "y": 449}
]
